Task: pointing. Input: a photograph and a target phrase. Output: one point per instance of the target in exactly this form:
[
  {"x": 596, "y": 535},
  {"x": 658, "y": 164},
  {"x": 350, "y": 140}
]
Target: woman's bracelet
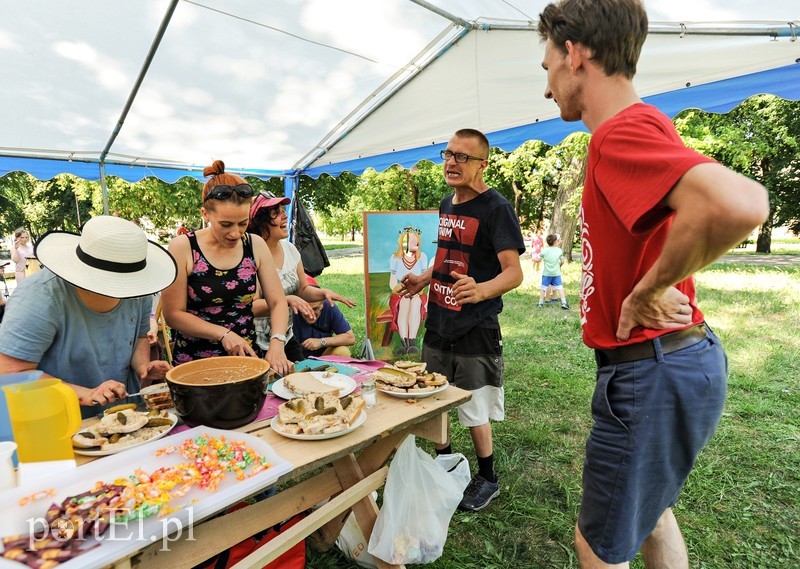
[{"x": 223, "y": 336}]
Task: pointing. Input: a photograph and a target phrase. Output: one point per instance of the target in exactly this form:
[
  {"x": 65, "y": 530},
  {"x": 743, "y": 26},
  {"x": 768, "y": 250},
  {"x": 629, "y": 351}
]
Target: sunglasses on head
[{"x": 223, "y": 192}]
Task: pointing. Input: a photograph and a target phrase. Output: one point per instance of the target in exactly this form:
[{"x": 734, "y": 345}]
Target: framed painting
[{"x": 396, "y": 243}]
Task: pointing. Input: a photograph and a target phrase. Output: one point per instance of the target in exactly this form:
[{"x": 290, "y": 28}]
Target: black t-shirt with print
[{"x": 471, "y": 235}]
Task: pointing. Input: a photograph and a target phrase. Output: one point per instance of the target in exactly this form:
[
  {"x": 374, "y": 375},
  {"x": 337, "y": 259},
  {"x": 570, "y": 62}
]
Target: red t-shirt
[{"x": 635, "y": 159}]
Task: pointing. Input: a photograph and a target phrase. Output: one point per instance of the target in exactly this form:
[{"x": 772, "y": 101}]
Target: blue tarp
[{"x": 717, "y": 97}]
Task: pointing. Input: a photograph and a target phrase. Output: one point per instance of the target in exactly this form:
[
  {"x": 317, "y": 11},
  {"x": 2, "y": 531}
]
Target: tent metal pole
[
  {"x": 443, "y": 13},
  {"x": 290, "y": 187},
  {"x": 132, "y": 96},
  {"x": 104, "y": 187}
]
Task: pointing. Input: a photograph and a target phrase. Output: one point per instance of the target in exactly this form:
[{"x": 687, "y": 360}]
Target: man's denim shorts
[{"x": 651, "y": 419}]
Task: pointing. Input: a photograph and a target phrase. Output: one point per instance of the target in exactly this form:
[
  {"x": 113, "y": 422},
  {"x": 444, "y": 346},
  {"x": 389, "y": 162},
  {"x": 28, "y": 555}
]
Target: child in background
[
  {"x": 552, "y": 258},
  {"x": 536, "y": 251}
]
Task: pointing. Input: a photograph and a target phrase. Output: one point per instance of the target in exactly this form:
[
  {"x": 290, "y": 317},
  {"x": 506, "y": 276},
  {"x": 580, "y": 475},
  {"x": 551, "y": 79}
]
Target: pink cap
[{"x": 263, "y": 201}]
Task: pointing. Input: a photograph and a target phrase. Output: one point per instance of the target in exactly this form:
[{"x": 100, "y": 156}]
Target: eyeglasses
[
  {"x": 460, "y": 157},
  {"x": 223, "y": 192}
]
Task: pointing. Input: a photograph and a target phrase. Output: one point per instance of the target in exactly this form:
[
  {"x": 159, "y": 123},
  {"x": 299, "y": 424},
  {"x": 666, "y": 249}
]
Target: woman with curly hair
[{"x": 269, "y": 220}]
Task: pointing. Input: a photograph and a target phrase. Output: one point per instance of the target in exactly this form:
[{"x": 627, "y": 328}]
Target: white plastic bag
[
  {"x": 353, "y": 544},
  {"x": 457, "y": 466},
  {"x": 418, "y": 501}
]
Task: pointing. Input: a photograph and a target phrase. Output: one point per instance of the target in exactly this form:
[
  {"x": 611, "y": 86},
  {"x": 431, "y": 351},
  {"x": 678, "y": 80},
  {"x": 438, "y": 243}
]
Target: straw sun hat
[{"x": 111, "y": 257}]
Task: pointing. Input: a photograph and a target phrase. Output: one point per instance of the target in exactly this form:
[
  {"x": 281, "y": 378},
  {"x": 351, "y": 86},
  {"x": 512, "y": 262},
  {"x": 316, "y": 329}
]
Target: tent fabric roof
[{"x": 320, "y": 87}]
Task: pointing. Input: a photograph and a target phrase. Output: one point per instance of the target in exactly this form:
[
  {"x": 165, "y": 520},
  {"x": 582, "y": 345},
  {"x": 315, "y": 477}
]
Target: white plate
[
  {"x": 128, "y": 538},
  {"x": 412, "y": 395},
  {"x": 302, "y": 437},
  {"x": 345, "y": 384},
  {"x": 89, "y": 452}
]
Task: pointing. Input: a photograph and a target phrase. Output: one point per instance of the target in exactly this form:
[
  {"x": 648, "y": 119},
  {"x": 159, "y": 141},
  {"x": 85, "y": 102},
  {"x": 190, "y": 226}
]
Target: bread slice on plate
[
  {"x": 394, "y": 376},
  {"x": 303, "y": 383},
  {"x": 351, "y": 409},
  {"x": 294, "y": 410}
]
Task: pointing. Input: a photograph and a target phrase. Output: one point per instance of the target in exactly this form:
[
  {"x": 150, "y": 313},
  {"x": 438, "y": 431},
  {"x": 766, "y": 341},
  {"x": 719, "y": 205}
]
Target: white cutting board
[{"x": 126, "y": 539}]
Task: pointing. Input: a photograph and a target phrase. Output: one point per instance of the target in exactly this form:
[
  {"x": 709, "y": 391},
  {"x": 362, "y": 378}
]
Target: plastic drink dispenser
[
  {"x": 5, "y": 422},
  {"x": 44, "y": 415}
]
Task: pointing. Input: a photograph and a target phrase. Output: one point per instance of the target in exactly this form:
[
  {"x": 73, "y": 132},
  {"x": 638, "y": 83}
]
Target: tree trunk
[
  {"x": 563, "y": 223},
  {"x": 517, "y": 198},
  {"x": 764, "y": 240}
]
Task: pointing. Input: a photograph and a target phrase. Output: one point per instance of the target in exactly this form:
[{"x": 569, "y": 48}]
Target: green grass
[
  {"x": 331, "y": 243},
  {"x": 741, "y": 504}
]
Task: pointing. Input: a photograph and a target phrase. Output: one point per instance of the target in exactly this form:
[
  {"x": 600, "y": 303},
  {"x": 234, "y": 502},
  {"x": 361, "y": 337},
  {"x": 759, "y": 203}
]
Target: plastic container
[{"x": 44, "y": 414}]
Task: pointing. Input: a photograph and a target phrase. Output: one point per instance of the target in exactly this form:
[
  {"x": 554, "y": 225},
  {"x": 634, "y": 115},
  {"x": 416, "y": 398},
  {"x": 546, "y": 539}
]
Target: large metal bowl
[{"x": 225, "y": 392}]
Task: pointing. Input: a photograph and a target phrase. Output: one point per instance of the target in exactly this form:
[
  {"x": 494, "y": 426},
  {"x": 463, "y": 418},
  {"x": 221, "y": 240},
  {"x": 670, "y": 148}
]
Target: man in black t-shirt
[{"x": 477, "y": 261}]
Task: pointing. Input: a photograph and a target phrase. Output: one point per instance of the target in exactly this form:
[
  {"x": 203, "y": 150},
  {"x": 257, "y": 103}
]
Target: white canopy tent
[{"x": 290, "y": 87}]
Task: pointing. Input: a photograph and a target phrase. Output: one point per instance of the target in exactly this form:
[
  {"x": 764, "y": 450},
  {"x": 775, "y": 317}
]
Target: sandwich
[
  {"x": 319, "y": 413},
  {"x": 394, "y": 376},
  {"x": 408, "y": 377}
]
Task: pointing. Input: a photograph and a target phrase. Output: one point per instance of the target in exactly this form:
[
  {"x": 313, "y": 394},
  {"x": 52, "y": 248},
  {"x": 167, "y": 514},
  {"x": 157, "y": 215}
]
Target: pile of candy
[
  {"x": 139, "y": 496},
  {"x": 212, "y": 458}
]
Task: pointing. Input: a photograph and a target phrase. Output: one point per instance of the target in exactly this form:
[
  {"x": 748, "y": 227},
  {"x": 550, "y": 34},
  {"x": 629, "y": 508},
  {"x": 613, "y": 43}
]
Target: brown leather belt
[{"x": 671, "y": 342}]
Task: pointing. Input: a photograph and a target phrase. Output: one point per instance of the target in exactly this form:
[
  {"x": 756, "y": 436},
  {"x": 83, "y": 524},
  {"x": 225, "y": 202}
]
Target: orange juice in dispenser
[{"x": 44, "y": 414}]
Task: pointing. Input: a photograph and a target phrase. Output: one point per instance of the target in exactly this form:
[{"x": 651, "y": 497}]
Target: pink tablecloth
[{"x": 272, "y": 402}]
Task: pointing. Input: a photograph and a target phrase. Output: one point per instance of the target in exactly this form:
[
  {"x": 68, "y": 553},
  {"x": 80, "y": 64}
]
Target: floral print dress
[{"x": 222, "y": 297}]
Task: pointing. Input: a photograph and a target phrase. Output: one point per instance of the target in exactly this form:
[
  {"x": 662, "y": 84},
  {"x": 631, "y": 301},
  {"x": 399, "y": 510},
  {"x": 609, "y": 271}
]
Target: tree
[
  {"x": 346, "y": 220},
  {"x": 327, "y": 194},
  {"x": 572, "y": 156},
  {"x": 520, "y": 170},
  {"x": 759, "y": 139},
  {"x": 42, "y": 205}
]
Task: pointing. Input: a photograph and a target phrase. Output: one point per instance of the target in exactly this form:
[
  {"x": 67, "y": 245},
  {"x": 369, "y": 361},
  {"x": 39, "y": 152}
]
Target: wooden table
[{"x": 350, "y": 468}]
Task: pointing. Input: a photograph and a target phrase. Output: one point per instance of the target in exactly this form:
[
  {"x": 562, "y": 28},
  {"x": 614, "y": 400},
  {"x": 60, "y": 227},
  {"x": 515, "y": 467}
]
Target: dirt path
[
  {"x": 763, "y": 260},
  {"x": 747, "y": 259}
]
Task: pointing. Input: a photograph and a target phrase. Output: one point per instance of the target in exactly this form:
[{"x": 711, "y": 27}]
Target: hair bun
[{"x": 218, "y": 167}]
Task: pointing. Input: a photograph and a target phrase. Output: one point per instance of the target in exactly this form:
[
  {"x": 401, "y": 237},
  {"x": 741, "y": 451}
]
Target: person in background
[
  {"x": 536, "y": 251},
  {"x": 210, "y": 305},
  {"x": 327, "y": 334},
  {"x": 653, "y": 212},
  {"x": 477, "y": 261},
  {"x": 553, "y": 258},
  {"x": 84, "y": 318},
  {"x": 21, "y": 252},
  {"x": 268, "y": 220},
  {"x": 156, "y": 350}
]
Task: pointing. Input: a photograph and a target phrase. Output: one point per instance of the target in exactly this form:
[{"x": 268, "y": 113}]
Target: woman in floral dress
[{"x": 209, "y": 306}]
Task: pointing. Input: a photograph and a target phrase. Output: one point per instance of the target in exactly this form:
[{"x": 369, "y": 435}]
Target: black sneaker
[
  {"x": 565, "y": 306},
  {"x": 479, "y": 493}
]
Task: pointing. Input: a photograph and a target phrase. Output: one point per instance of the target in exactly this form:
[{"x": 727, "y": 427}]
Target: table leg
[
  {"x": 215, "y": 535},
  {"x": 318, "y": 518}
]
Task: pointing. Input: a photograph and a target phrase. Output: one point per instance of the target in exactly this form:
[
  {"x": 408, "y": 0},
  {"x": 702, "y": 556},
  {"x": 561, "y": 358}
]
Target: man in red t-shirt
[{"x": 650, "y": 218}]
